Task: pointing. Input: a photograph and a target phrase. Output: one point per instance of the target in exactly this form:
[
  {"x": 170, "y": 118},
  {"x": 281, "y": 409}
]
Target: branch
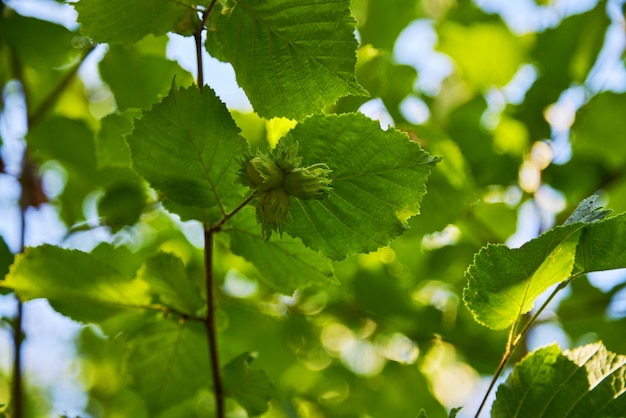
[
  {"x": 210, "y": 325},
  {"x": 52, "y": 97},
  {"x": 515, "y": 340},
  {"x": 218, "y": 226},
  {"x": 197, "y": 36}
]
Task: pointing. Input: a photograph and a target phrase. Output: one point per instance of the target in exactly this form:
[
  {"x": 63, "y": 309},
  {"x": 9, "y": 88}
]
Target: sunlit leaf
[
  {"x": 75, "y": 283},
  {"x": 379, "y": 180},
  {"x": 503, "y": 283},
  {"x": 291, "y": 58},
  {"x": 486, "y": 54}
]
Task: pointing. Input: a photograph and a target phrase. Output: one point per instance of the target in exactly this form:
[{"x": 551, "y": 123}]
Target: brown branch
[{"x": 210, "y": 324}]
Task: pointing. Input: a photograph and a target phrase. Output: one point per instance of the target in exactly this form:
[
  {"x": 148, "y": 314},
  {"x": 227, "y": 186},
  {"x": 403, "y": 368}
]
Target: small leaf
[
  {"x": 292, "y": 58},
  {"x": 454, "y": 412},
  {"x": 378, "y": 181},
  {"x": 166, "y": 275},
  {"x": 587, "y": 211},
  {"x": 122, "y": 205},
  {"x": 75, "y": 283},
  {"x": 250, "y": 387},
  {"x": 185, "y": 147},
  {"x": 586, "y": 381},
  {"x": 127, "y": 21},
  {"x": 285, "y": 263}
]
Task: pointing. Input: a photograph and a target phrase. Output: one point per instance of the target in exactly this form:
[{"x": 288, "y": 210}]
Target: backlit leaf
[
  {"x": 75, "y": 283},
  {"x": 379, "y": 179},
  {"x": 291, "y": 57}
]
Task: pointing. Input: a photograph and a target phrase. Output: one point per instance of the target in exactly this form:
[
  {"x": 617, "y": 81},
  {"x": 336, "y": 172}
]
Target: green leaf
[
  {"x": 122, "y": 204},
  {"x": 385, "y": 20},
  {"x": 602, "y": 246},
  {"x": 138, "y": 77},
  {"x": 422, "y": 414},
  {"x": 562, "y": 55},
  {"x": 455, "y": 411},
  {"x": 167, "y": 277},
  {"x": 598, "y": 132},
  {"x": 291, "y": 58},
  {"x": 6, "y": 259},
  {"x": 586, "y": 381},
  {"x": 75, "y": 283},
  {"x": 185, "y": 147},
  {"x": 503, "y": 283},
  {"x": 285, "y": 263},
  {"x": 379, "y": 179},
  {"x": 169, "y": 362},
  {"x": 111, "y": 148},
  {"x": 38, "y": 43},
  {"x": 486, "y": 54},
  {"x": 127, "y": 21},
  {"x": 250, "y": 387},
  {"x": 70, "y": 143}
]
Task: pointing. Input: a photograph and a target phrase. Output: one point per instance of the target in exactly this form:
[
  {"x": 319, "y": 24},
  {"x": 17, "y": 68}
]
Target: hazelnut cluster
[{"x": 277, "y": 177}]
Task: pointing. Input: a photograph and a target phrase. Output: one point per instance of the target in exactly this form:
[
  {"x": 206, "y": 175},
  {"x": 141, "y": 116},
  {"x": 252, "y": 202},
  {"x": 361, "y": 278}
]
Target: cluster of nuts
[{"x": 277, "y": 177}]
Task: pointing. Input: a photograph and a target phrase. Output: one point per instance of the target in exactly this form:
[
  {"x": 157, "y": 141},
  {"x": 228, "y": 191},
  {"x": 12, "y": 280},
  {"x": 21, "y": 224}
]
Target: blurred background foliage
[{"x": 525, "y": 101}]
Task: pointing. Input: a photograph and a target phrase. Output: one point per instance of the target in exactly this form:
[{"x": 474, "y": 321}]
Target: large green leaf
[
  {"x": 285, "y": 263},
  {"x": 166, "y": 275},
  {"x": 585, "y": 382},
  {"x": 127, "y": 21},
  {"x": 292, "y": 58},
  {"x": 169, "y": 362},
  {"x": 75, "y": 283},
  {"x": 503, "y": 283},
  {"x": 379, "y": 179},
  {"x": 251, "y": 387},
  {"x": 185, "y": 146}
]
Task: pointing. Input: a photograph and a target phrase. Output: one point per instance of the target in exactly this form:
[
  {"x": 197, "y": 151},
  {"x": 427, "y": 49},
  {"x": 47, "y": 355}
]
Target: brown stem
[
  {"x": 210, "y": 324},
  {"x": 197, "y": 36},
  {"x": 515, "y": 339}
]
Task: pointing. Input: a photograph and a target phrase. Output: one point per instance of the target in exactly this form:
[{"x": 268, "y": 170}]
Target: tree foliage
[{"x": 355, "y": 269}]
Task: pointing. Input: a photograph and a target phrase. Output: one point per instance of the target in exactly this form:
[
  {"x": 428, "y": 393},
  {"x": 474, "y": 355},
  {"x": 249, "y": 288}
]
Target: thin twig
[
  {"x": 210, "y": 324},
  {"x": 515, "y": 340},
  {"x": 218, "y": 226},
  {"x": 51, "y": 98}
]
